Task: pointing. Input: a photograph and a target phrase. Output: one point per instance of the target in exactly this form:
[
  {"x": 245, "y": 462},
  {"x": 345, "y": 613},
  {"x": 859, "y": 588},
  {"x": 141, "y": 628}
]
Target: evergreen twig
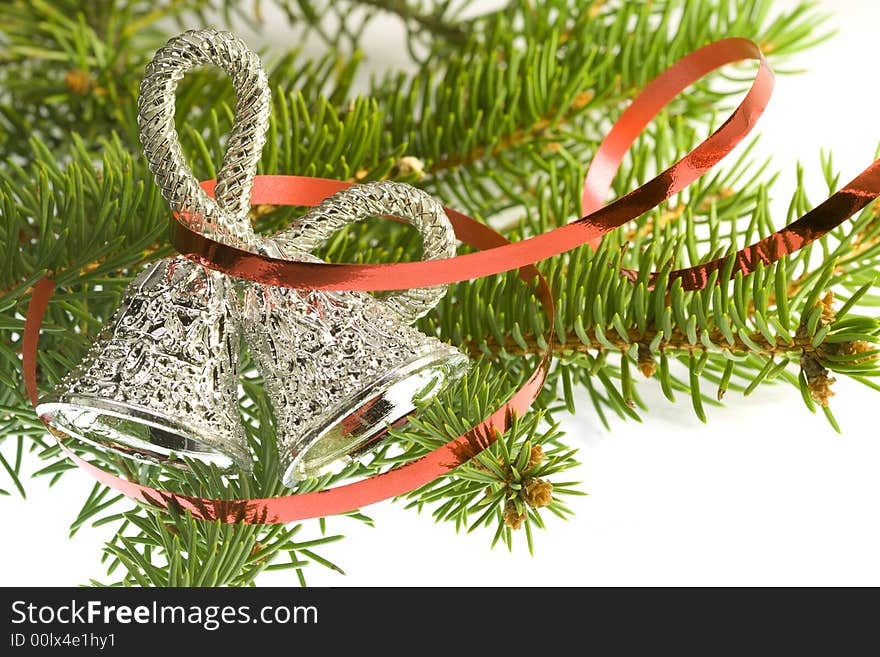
[{"x": 500, "y": 118}]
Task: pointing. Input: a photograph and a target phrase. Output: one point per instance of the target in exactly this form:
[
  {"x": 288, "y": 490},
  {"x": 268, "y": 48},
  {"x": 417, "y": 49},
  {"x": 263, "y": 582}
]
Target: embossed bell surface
[
  {"x": 340, "y": 367},
  {"x": 159, "y": 382}
]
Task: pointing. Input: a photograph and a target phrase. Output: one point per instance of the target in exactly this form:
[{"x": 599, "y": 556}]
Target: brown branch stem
[{"x": 678, "y": 341}]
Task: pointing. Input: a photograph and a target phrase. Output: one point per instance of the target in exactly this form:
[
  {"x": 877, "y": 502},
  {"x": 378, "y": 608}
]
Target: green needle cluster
[{"x": 499, "y": 118}]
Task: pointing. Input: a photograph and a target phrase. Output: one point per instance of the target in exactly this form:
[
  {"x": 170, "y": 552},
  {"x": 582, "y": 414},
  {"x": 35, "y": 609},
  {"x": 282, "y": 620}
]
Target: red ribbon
[
  {"x": 496, "y": 258},
  {"x": 495, "y": 255}
]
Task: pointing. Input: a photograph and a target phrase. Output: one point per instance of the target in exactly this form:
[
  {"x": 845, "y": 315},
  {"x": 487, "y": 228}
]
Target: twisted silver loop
[
  {"x": 371, "y": 199},
  {"x": 225, "y": 219}
]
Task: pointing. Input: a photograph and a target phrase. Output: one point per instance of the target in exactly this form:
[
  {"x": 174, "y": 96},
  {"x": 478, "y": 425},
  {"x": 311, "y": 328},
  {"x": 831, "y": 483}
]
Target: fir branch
[
  {"x": 504, "y": 120},
  {"x": 754, "y": 343},
  {"x": 502, "y": 488}
]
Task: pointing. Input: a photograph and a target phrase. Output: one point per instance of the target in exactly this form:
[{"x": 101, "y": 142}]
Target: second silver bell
[{"x": 341, "y": 367}]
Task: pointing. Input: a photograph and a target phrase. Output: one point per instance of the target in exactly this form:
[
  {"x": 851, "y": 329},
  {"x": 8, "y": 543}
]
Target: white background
[{"x": 765, "y": 494}]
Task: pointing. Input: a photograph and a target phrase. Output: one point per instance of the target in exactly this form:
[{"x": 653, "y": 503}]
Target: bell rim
[
  {"x": 136, "y": 449},
  {"x": 445, "y": 357}
]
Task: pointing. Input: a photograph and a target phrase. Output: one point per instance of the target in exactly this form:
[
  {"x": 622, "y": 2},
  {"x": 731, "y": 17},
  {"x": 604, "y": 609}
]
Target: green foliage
[
  {"x": 497, "y": 486},
  {"x": 171, "y": 548},
  {"x": 499, "y": 119}
]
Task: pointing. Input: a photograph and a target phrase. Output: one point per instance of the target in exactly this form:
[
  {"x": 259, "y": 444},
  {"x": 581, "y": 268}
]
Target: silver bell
[
  {"x": 159, "y": 383},
  {"x": 341, "y": 367}
]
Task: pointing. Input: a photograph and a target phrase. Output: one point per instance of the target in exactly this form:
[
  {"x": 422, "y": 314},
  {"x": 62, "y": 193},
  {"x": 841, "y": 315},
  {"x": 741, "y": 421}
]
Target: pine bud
[
  {"x": 820, "y": 388},
  {"x": 536, "y": 456},
  {"x": 819, "y": 379},
  {"x": 646, "y": 363},
  {"x": 513, "y": 518},
  {"x": 255, "y": 552},
  {"x": 409, "y": 164},
  {"x": 582, "y": 100},
  {"x": 857, "y": 347},
  {"x": 827, "y": 303},
  {"x": 78, "y": 81},
  {"x": 537, "y": 493}
]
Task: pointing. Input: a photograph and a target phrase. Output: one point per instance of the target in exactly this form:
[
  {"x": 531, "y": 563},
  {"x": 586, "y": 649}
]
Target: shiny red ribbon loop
[
  {"x": 501, "y": 258},
  {"x": 496, "y": 254}
]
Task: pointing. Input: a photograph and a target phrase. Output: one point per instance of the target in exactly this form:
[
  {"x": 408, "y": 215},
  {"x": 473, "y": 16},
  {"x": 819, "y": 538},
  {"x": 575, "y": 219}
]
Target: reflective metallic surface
[
  {"x": 340, "y": 367},
  {"x": 226, "y": 218},
  {"x": 510, "y": 256},
  {"x": 376, "y": 199},
  {"x": 159, "y": 383}
]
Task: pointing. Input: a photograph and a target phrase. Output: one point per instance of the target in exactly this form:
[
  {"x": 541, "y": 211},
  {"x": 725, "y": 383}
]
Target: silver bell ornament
[
  {"x": 341, "y": 367},
  {"x": 159, "y": 384}
]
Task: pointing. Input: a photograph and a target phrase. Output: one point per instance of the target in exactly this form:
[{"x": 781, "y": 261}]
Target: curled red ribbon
[
  {"x": 496, "y": 254},
  {"x": 500, "y": 258}
]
